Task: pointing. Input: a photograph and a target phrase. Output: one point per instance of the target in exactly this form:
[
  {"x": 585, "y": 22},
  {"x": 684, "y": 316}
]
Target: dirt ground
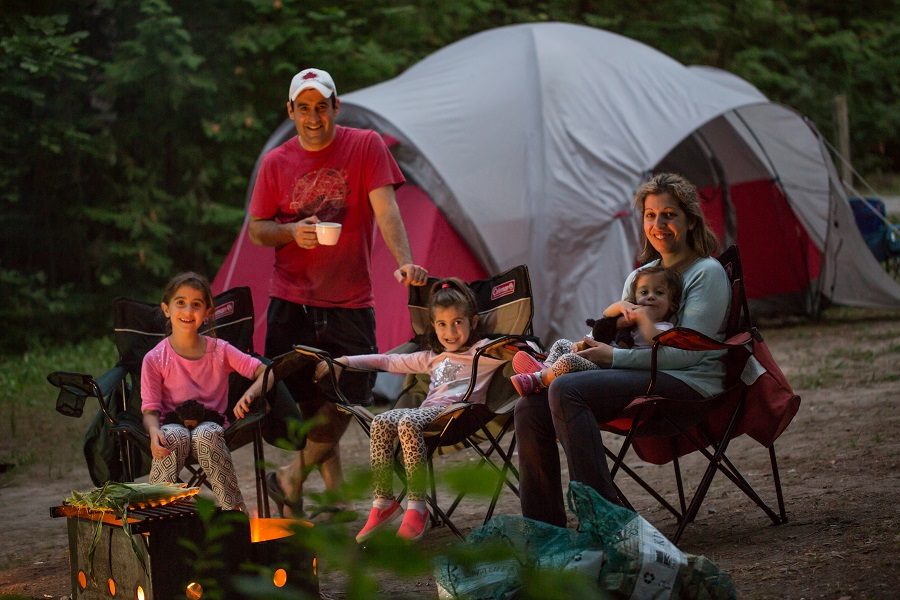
[{"x": 839, "y": 469}]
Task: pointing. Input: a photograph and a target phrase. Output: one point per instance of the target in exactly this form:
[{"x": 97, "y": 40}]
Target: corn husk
[{"x": 120, "y": 498}]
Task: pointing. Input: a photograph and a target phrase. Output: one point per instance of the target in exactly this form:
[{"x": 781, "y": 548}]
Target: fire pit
[{"x": 157, "y": 560}]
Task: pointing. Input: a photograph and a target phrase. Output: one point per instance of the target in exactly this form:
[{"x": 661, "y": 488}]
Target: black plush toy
[
  {"x": 604, "y": 330},
  {"x": 191, "y": 413}
]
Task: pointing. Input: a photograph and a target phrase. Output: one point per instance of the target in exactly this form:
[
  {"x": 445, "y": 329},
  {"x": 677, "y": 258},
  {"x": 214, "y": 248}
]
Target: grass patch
[
  {"x": 885, "y": 184},
  {"x": 848, "y": 347},
  {"x": 32, "y": 433}
]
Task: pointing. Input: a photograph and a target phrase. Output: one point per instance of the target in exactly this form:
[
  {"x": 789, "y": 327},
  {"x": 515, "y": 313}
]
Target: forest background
[{"x": 129, "y": 128}]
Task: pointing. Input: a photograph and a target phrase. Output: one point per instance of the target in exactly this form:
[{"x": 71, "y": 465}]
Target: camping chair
[
  {"x": 757, "y": 400},
  {"x": 881, "y": 236},
  {"x": 505, "y": 307},
  {"x": 117, "y": 447}
]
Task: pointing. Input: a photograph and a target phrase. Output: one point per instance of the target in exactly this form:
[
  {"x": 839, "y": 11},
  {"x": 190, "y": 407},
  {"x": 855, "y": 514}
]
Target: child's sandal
[{"x": 527, "y": 384}]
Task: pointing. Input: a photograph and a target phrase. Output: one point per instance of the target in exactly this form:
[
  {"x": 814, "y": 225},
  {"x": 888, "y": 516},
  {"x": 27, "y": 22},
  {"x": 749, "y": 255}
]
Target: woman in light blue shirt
[{"x": 676, "y": 236}]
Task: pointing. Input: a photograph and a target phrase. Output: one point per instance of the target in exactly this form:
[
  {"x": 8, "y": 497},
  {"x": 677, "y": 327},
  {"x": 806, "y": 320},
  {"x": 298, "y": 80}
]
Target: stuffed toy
[
  {"x": 191, "y": 413},
  {"x": 604, "y": 330}
]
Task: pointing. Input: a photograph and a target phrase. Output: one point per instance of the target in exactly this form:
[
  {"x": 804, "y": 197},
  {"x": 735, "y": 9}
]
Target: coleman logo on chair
[
  {"x": 504, "y": 289},
  {"x": 224, "y": 310}
]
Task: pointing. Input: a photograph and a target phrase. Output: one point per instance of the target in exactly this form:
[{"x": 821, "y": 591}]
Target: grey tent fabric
[{"x": 531, "y": 139}]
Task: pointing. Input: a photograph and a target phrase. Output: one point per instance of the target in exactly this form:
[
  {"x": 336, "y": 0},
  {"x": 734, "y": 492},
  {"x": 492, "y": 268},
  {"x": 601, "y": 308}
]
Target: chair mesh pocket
[{"x": 70, "y": 403}]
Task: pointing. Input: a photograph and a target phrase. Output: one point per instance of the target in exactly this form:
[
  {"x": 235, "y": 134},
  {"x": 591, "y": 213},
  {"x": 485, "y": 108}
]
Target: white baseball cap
[{"x": 316, "y": 79}]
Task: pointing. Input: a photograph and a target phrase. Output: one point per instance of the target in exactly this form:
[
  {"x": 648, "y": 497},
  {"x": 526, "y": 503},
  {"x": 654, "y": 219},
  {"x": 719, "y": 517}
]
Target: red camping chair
[{"x": 757, "y": 400}]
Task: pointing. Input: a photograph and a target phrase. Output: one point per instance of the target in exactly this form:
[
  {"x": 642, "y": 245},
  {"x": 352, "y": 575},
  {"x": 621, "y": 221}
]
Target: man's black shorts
[{"x": 338, "y": 331}]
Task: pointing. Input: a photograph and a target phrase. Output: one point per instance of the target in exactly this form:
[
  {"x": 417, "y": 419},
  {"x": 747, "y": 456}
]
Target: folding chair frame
[
  {"x": 660, "y": 418},
  {"x": 460, "y": 423},
  {"x": 133, "y": 441}
]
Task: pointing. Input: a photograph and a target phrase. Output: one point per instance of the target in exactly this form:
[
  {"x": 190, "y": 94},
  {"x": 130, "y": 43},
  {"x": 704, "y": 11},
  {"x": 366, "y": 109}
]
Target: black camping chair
[
  {"x": 757, "y": 400},
  {"x": 117, "y": 447},
  {"x": 506, "y": 307}
]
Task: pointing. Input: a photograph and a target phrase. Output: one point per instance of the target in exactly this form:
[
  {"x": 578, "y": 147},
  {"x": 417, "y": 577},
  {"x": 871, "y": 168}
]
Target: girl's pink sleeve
[
  {"x": 241, "y": 362},
  {"x": 415, "y": 362},
  {"x": 151, "y": 384}
]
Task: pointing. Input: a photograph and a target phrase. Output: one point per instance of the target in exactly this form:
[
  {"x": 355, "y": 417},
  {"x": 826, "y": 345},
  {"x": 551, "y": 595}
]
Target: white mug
[{"x": 328, "y": 233}]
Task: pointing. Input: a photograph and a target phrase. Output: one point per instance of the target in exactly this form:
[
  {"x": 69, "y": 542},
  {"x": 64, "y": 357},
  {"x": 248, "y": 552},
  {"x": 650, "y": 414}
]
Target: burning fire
[{"x": 264, "y": 530}]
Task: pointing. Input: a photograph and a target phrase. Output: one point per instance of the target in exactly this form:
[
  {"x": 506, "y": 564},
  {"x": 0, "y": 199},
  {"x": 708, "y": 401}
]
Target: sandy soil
[{"x": 839, "y": 468}]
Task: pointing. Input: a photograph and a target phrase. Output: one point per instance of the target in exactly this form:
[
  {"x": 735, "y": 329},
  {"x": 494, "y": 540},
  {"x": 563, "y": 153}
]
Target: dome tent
[{"x": 524, "y": 144}]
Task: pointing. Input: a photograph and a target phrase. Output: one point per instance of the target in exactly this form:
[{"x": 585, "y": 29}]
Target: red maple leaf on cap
[{"x": 311, "y": 75}]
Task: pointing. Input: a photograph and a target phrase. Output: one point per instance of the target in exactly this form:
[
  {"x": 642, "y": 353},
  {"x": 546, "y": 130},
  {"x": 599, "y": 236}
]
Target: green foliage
[{"x": 129, "y": 128}]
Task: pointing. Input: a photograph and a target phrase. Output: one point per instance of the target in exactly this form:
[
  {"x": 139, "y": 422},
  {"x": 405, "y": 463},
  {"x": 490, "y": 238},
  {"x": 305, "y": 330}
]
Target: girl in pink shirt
[
  {"x": 453, "y": 344},
  {"x": 189, "y": 367}
]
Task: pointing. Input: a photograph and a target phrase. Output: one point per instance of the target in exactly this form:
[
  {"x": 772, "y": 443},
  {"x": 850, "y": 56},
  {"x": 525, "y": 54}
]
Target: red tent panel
[{"x": 778, "y": 257}]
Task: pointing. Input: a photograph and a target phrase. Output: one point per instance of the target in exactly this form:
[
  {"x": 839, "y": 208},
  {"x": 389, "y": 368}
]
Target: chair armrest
[
  {"x": 501, "y": 348},
  {"x": 691, "y": 340},
  {"x": 75, "y": 388},
  {"x": 361, "y": 413},
  {"x": 317, "y": 355},
  {"x": 505, "y": 346}
]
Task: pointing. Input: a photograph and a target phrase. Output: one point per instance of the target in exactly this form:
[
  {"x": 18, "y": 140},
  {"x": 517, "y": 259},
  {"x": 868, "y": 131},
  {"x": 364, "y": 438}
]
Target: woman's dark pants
[{"x": 570, "y": 412}]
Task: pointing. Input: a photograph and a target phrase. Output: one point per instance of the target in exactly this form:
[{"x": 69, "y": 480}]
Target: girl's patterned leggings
[
  {"x": 407, "y": 425},
  {"x": 205, "y": 444},
  {"x": 562, "y": 360}
]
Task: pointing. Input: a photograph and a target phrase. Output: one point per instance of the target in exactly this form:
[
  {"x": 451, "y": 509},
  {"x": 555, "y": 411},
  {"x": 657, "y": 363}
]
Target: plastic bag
[
  {"x": 526, "y": 544},
  {"x": 617, "y": 548},
  {"x": 641, "y": 561}
]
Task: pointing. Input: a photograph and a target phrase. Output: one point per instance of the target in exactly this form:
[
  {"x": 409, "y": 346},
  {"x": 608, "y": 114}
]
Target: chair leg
[
  {"x": 735, "y": 476},
  {"x": 503, "y": 473},
  {"x": 438, "y": 516},
  {"x": 716, "y": 464},
  {"x": 694, "y": 508},
  {"x": 680, "y": 484},
  {"x": 647, "y": 488},
  {"x": 619, "y": 459},
  {"x": 777, "y": 479},
  {"x": 125, "y": 457},
  {"x": 259, "y": 468},
  {"x": 198, "y": 476},
  {"x": 505, "y": 457},
  {"x": 502, "y": 476},
  {"x": 706, "y": 481}
]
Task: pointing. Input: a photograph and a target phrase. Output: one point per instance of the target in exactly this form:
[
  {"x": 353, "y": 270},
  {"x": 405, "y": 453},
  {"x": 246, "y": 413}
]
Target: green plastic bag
[
  {"x": 617, "y": 548},
  {"x": 522, "y": 544},
  {"x": 641, "y": 561}
]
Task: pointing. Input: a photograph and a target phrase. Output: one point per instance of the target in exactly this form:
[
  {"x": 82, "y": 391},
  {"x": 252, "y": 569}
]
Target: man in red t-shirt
[{"x": 322, "y": 295}]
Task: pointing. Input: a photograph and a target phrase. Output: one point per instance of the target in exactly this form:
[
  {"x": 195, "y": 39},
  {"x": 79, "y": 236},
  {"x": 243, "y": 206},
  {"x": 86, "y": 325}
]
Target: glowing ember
[{"x": 194, "y": 591}]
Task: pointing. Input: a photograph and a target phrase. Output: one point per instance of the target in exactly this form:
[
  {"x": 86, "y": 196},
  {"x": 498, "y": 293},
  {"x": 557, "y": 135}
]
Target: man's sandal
[{"x": 277, "y": 495}]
